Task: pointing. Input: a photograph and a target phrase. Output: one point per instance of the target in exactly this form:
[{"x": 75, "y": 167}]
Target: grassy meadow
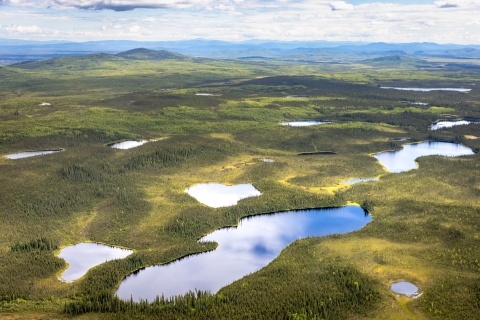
[{"x": 426, "y": 222}]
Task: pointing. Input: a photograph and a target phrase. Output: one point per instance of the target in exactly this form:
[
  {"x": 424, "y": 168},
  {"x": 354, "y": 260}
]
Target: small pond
[
  {"x": 428, "y": 89},
  {"x": 405, "y": 288},
  {"x": 416, "y": 103},
  {"x": 27, "y": 154},
  {"x": 449, "y": 123},
  {"x": 129, "y": 144},
  {"x": 218, "y": 195},
  {"x": 241, "y": 250},
  {"x": 267, "y": 160},
  {"x": 404, "y": 160},
  {"x": 305, "y": 123},
  {"x": 353, "y": 181},
  {"x": 83, "y": 256}
]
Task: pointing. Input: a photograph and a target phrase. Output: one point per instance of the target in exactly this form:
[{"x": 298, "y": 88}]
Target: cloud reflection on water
[{"x": 242, "y": 250}]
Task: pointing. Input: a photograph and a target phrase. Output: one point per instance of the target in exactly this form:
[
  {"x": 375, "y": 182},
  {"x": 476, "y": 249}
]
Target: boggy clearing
[{"x": 426, "y": 222}]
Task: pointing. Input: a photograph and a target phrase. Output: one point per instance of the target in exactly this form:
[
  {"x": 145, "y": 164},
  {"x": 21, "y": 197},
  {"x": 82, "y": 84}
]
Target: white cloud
[
  {"x": 446, "y": 4},
  {"x": 23, "y": 29},
  {"x": 135, "y": 29},
  {"x": 456, "y": 3},
  {"x": 116, "y": 5},
  {"x": 340, "y": 5},
  {"x": 473, "y": 23},
  {"x": 224, "y": 7},
  {"x": 243, "y": 20}
]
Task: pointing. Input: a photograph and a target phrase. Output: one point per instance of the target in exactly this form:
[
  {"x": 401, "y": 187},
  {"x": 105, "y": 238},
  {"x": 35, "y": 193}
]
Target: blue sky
[{"x": 441, "y": 21}]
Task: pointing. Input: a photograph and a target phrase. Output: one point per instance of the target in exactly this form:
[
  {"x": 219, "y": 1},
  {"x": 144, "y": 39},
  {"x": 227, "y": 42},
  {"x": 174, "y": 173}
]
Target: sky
[{"x": 440, "y": 21}]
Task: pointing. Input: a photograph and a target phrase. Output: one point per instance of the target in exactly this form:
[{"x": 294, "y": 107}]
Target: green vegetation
[
  {"x": 426, "y": 222},
  {"x": 395, "y": 61}
]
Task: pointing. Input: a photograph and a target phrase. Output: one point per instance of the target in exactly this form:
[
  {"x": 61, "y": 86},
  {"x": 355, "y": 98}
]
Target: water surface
[
  {"x": 449, "y": 124},
  {"x": 241, "y": 250},
  {"x": 353, "y": 181},
  {"x": 404, "y": 160},
  {"x": 428, "y": 89},
  {"x": 267, "y": 160},
  {"x": 129, "y": 144},
  {"x": 405, "y": 288},
  {"x": 218, "y": 195},
  {"x": 27, "y": 154},
  {"x": 303, "y": 123},
  {"x": 416, "y": 103},
  {"x": 83, "y": 256}
]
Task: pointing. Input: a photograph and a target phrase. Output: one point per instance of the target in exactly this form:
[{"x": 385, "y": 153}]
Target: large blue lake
[{"x": 241, "y": 250}]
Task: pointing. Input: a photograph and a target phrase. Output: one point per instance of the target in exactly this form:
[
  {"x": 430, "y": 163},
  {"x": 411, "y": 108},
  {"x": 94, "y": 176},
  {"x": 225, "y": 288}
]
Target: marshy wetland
[{"x": 425, "y": 223}]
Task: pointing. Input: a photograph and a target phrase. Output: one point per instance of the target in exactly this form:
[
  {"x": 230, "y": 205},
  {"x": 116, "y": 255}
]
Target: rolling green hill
[
  {"x": 86, "y": 61},
  {"x": 147, "y": 54},
  {"x": 394, "y": 61}
]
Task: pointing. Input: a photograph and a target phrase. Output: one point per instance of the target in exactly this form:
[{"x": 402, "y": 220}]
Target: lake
[
  {"x": 84, "y": 256},
  {"x": 129, "y": 144},
  {"x": 405, "y": 288},
  {"x": 449, "y": 123},
  {"x": 27, "y": 154},
  {"x": 404, "y": 160},
  {"x": 428, "y": 89},
  {"x": 305, "y": 123},
  {"x": 218, "y": 195},
  {"x": 354, "y": 181},
  {"x": 241, "y": 250},
  {"x": 416, "y": 103}
]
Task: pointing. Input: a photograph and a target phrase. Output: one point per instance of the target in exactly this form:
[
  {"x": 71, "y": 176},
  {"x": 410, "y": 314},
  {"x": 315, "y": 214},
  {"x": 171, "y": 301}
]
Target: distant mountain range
[
  {"x": 92, "y": 60},
  {"x": 20, "y": 50}
]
